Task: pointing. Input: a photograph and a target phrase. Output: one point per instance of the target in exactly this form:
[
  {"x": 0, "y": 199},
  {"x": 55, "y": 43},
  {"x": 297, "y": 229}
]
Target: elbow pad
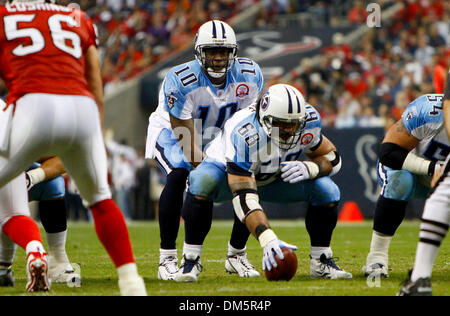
[
  {"x": 335, "y": 160},
  {"x": 245, "y": 202}
]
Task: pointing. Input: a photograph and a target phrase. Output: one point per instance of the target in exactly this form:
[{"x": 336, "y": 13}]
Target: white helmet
[
  {"x": 213, "y": 34},
  {"x": 282, "y": 106}
]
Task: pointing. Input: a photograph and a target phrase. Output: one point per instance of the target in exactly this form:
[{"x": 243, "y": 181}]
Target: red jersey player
[{"x": 50, "y": 64}]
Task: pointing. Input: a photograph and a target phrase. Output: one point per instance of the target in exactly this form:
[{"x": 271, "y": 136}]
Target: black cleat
[
  {"x": 421, "y": 287},
  {"x": 7, "y": 277}
]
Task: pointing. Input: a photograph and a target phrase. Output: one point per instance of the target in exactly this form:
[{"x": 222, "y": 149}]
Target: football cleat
[
  {"x": 64, "y": 273},
  {"x": 420, "y": 287},
  {"x": 37, "y": 272},
  {"x": 7, "y": 277},
  {"x": 134, "y": 286},
  {"x": 326, "y": 268},
  {"x": 168, "y": 268},
  {"x": 376, "y": 269},
  {"x": 189, "y": 270},
  {"x": 239, "y": 264}
]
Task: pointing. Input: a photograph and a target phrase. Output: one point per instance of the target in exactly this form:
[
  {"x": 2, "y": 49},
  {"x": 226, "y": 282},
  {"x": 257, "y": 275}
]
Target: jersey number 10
[{"x": 59, "y": 36}]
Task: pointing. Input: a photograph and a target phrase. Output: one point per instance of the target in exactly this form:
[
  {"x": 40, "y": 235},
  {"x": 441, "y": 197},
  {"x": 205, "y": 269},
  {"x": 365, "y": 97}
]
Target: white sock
[
  {"x": 316, "y": 252},
  {"x": 7, "y": 249},
  {"x": 34, "y": 246},
  {"x": 191, "y": 252},
  {"x": 379, "y": 248},
  {"x": 423, "y": 265},
  {"x": 233, "y": 251},
  {"x": 128, "y": 271},
  {"x": 164, "y": 253},
  {"x": 57, "y": 247}
]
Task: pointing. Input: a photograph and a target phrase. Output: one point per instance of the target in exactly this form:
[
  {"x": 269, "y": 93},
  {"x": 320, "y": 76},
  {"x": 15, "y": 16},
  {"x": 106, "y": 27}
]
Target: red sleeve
[{"x": 92, "y": 34}]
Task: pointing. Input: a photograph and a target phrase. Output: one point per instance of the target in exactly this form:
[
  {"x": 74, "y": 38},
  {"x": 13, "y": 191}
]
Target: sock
[
  {"x": 239, "y": 234},
  {"x": 7, "y": 251},
  {"x": 53, "y": 215},
  {"x": 320, "y": 222},
  {"x": 112, "y": 231},
  {"x": 379, "y": 249},
  {"x": 197, "y": 215},
  {"x": 191, "y": 252},
  {"x": 233, "y": 251},
  {"x": 170, "y": 204},
  {"x": 316, "y": 252},
  {"x": 389, "y": 214},
  {"x": 57, "y": 247},
  {"x": 127, "y": 271},
  {"x": 22, "y": 230},
  {"x": 431, "y": 235},
  {"x": 165, "y": 253}
]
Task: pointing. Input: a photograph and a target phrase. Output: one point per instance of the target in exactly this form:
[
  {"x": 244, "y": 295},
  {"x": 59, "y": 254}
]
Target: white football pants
[{"x": 53, "y": 125}]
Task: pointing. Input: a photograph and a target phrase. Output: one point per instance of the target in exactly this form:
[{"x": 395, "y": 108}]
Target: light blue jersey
[
  {"x": 187, "y": 93},
  {"x": 245, "y": 144},
  {"x": 424, "y": 119}
]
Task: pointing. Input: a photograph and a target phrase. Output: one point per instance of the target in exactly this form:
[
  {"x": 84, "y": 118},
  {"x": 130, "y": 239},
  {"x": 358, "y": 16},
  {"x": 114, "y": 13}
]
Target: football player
[
  {"x": 51, "y": 68},
  {"x": 46, "y": 185},
  {"x": 243, "y": 165},
  {"x": 435, "y": 221},
  {"x": 410, "y": 153},
  {"x": 195, "y": 100}
]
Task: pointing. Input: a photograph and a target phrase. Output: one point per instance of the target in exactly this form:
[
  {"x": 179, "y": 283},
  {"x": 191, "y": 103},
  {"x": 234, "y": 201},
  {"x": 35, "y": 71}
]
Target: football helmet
[
  {"x": 215, "y": 34},
  {"x": 282, "y": 114}
]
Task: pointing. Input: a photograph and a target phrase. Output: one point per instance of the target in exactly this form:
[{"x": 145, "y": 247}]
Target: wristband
[
  {"x": 313, "y": 169},
  {"x": 266, "y": 236},
  {"x": 37, "y": 175}
]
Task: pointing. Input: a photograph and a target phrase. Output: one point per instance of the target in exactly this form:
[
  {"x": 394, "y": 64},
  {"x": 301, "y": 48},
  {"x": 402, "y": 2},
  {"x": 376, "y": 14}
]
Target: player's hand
[
  {"x": 294, "y": 171},
  {"x": 29, "y": 181},
  {"x": 437, "y": 173},
  {"x": 272, "y": 247}
]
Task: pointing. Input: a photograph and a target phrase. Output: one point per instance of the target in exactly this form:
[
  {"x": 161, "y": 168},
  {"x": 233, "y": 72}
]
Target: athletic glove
[
  {"x": 274, "y": 246},
  {"x": 294, "y": 171}
]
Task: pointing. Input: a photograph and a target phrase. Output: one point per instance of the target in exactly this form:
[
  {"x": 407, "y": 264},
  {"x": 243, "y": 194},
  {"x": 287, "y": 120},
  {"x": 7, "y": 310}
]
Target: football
[{"x": 286, "y": 268}]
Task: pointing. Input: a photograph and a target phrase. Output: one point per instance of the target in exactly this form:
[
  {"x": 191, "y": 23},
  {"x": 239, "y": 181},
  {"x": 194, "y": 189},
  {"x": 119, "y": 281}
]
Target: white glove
[
  {"x": 294, "y": 171},
  {"x": 272, "y": 247}
]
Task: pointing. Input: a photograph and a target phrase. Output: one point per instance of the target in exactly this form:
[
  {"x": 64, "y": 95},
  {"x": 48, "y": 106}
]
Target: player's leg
[
  {"x": 172, "y": 161},
  {"x": 204, "y": 183},
  {"x": 17, "y": 225},
  {"x": 53, "y": 215},
  {"x": 433, "y": 229},
  {"x": 7, "y": 252},
  {"x": 85, "y": 160},
  {"x": 323, "y": 196},
  {"x": 398, "y": 187}
]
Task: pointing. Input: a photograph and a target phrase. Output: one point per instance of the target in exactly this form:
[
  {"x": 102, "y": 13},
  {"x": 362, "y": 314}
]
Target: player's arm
[
  {"x": 94, "y": 78},
  {"x": 324, "y": 161},
  {"x": 446, "y": 105},
  {"x": 186, "y": 134},
  {"x": 395, "y": 151},
  {"x": 50, "y": 168},
  {"x": 249, "y": 211}
]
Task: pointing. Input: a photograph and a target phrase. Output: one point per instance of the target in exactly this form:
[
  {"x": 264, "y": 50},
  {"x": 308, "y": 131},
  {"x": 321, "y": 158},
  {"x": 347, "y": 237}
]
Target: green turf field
[{"x": 350, "y": 244}]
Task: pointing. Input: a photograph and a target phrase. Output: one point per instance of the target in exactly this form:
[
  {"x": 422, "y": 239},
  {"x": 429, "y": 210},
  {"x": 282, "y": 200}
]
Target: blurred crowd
[{"x": 370, "y": 84}]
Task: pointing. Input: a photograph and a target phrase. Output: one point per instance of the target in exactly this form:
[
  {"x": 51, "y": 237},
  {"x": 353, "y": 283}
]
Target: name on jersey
[{"x": 22, "y": 7}]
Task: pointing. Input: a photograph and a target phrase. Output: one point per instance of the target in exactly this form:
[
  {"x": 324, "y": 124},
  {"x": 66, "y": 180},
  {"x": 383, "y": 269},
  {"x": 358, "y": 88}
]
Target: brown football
[{"x": 286, "y": 268}]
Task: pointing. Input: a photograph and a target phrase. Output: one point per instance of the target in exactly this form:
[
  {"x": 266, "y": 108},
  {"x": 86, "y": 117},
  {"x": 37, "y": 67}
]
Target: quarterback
[
  {"x": 195, "y": 101},
  {"x": 257, "y": 156}
]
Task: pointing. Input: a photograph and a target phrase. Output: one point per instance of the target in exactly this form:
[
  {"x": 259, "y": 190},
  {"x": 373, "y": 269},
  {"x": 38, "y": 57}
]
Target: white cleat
[
  {"x": 326, "y": 268},
  {"x": 37, "y": 272},
  {"x": 168, "y": 268},
  {"x": 375, "y": 270},
  {"x": 132, "y": 286},
  {"x": 64, "y": 273},
  {"x": 239, "y": 264},
  {"x": 189, "y": 270}
]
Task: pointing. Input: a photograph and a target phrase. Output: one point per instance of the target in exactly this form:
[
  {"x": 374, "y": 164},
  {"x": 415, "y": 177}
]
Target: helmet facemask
[
  {"x": 208, "y": 63},
  {"x": 286, "y": 133}
]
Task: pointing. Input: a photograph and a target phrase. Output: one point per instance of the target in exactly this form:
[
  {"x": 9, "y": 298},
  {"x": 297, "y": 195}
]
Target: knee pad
[
  {"x": 324, "y": 191},
  {"x": 399, "y": 185},
  {"x": 48, "y": 190},
  {"x": 205, "y": 180}
]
